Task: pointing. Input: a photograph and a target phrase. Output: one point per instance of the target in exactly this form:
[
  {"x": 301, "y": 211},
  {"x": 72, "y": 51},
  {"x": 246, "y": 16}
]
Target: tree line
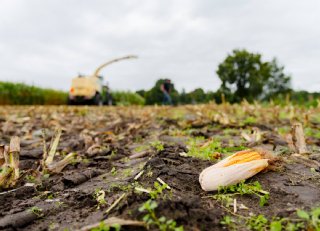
[{"x": 244, "y": 76}]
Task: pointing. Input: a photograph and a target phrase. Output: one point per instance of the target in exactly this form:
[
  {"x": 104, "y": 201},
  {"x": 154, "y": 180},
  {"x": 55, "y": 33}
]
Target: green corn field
[{"x": 22, "y": 94}]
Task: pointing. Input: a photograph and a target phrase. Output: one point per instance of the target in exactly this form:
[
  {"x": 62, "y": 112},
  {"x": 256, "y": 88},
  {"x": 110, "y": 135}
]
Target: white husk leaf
[{"x": 215, "y": 176}]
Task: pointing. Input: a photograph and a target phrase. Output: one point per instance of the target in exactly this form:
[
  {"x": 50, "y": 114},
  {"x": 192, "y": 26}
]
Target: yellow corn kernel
[{"x": 243, "y": 157}]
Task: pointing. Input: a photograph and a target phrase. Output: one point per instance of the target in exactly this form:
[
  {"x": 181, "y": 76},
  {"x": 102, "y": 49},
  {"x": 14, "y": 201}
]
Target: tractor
[{"x": 90, "y": 90}]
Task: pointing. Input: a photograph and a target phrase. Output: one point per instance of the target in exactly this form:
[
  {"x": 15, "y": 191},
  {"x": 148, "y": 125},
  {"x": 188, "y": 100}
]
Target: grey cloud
[{"x": 49, "y": 42}]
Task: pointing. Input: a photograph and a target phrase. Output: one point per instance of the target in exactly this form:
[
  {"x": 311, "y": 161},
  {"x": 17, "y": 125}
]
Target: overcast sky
[{"x": 48, "y": 42}]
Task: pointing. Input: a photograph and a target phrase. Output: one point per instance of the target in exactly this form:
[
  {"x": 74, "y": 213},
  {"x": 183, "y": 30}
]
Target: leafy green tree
[
  {"x": 141, "y": 93},
  {"x": 184, "y": 98},
  {"x": 198, "y": 96},
  {"x": 245, "y": 76},
  {"x": 278, "y": 83},
  {"x": 211, "y": 96}
]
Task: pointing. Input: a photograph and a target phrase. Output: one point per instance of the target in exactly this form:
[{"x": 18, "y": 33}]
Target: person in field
[{"x": 166, "y": 88}]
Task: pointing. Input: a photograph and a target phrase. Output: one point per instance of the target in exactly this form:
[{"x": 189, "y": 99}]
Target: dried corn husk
[{"x": 237, "y": 167}]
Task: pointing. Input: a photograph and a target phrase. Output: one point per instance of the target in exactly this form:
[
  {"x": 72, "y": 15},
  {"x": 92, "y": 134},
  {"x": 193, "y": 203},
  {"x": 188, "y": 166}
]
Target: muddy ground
[{"x": 120, "y": 149}]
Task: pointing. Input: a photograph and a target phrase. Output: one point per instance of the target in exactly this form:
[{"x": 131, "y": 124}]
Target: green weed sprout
[
  {"x": 162, "y": 223},
  {"x": 226, "y": 193}
]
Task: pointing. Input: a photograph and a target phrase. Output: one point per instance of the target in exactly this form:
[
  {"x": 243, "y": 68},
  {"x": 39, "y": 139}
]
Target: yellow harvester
[{"x": 90, "y": 89}]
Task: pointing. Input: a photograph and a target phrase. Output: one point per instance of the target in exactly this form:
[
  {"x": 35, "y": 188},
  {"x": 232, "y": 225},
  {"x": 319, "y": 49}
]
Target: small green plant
[
  {"x": 82, "y": 111},
  {"x": 149, "y": 173},
  {"x": 125, "y": 187},
  {"x": 226, "y": 199},
  {"x": 52, "y": 226},
  {"x": 157, "y": 145},
  {"x": 85, "y": 161},
  {"x": 306, "y": 221},
  {"x": 151, "y": 219},
  {"x": 196, "y": 149},
  {"x": 226, "y": 193},
  {"x": 127, "y": 172},
  {"x": 50, "y": 196},
  {"x": 138, "y": 139},
  {"x": 250, "y": 120},
  {"x": 259, "y": 222},
  {"x": 312, "y": 218},
  {"x": 36, "y": 210},
  {"x": 45, "y": 176},
  {"x": 276, "y": 225},
  {"x": 103, "y": 227},
  {"x": 284, "y": 130},
  {"x": 309, "y": 132},
  {"x": 158, "y": 190},
  {"x": 112, "y": 155},
  {"x": 141, "y": 148},
  {"x": 59, "y": 204},
  {"x": 113, "y": 171},
  {"x": 229, "y": 222},
  {"x": 30, "y": 179}
]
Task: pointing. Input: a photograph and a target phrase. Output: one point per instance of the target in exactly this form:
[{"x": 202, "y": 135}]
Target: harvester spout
[{"x": 96, "y": 73}]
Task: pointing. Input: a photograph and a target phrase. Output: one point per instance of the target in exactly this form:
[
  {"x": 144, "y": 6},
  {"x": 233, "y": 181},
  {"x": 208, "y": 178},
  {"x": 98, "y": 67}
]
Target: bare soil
[{"x": 114, "y": 145}]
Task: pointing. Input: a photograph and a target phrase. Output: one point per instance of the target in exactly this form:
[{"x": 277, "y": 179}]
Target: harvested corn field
[{"x": 137, "y": 168}]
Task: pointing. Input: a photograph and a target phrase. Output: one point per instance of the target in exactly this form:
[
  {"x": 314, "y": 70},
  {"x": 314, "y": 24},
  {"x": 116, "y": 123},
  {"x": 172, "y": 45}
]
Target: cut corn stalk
[
  {"x": 5, "y": 176},
  {"x": 2, "y": 160},
  {"x": 115, "y": 203},
  {"x": 53, "y": 147},
  {"x": 10, "y": 168},
  {"x": 235, "y": 168},
  {"x": 142, "y": 190},
  {"x": 6, "y": 156},
  {"x": 14, "y": 151},
  {"x": 298, "y": 138},
  {"x": 256, "y": 136},
  {"x": 48, "y": 157},
  {"x": 45, "y": 150},
  {"x": 57, "y": 167}
]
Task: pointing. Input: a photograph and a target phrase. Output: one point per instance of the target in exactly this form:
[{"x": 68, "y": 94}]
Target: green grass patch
[{"x": 199, "y": 149}]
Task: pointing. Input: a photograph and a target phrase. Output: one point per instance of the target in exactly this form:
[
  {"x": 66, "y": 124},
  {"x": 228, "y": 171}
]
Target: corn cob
[{"x": 235, "y": 168}]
